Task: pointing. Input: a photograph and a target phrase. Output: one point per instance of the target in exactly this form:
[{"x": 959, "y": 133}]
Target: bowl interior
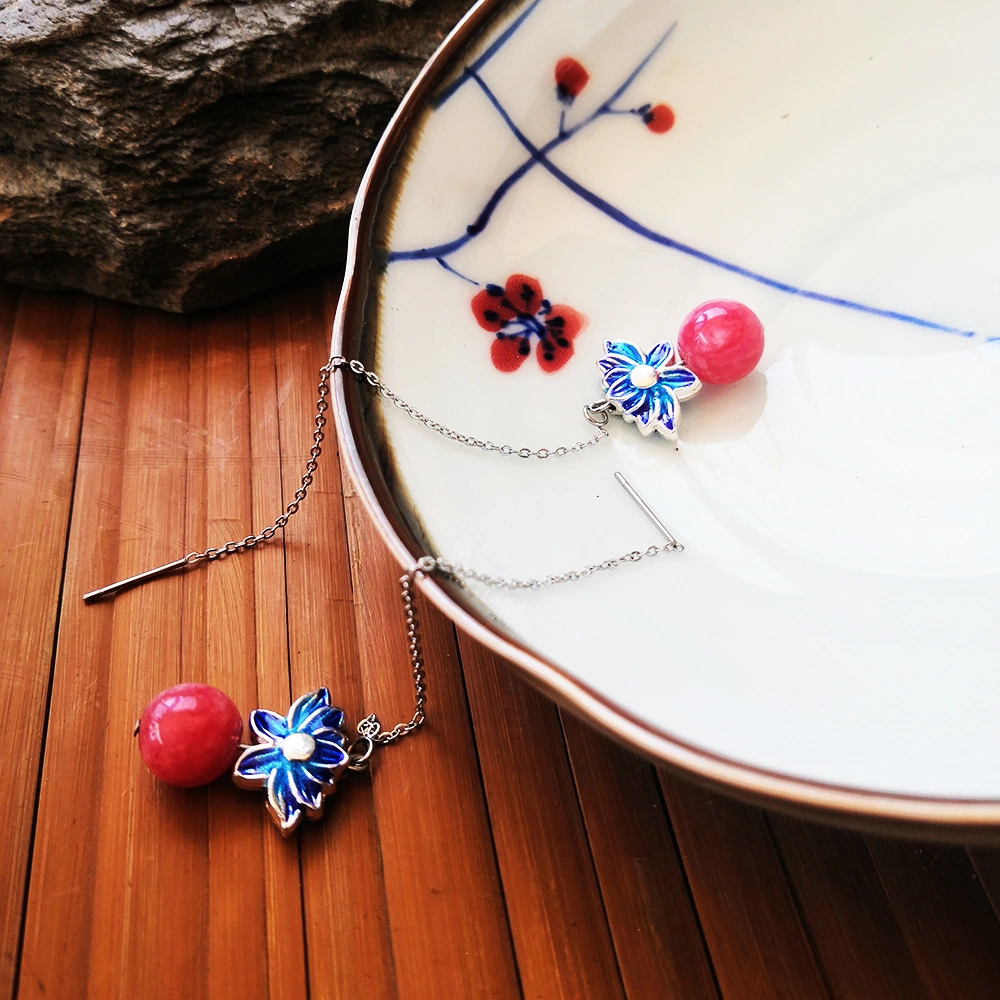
[{"x": 835, "y": 168}]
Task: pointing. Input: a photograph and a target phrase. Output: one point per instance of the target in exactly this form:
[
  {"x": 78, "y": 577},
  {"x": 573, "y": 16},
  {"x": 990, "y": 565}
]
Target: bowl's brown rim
[{"x": 966, "y": 820}]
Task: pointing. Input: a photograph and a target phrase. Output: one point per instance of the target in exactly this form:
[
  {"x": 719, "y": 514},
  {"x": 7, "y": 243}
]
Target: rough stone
[{"x": 183, "y": 154}]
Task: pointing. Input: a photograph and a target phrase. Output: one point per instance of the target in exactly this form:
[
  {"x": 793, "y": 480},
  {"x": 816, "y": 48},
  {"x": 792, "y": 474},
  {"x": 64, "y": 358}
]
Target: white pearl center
[
  {"x": 298, "y": 746},
  {"x": 643, "y": 376}
]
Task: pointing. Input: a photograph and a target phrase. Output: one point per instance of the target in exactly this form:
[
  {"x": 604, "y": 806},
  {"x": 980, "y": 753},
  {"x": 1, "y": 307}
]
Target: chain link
[
  {"x": 231, "y": 548},
  {"x": 369, "y": 727},
  {"x": 513, "y": 583},
  {"x": 596, "y": 413}
]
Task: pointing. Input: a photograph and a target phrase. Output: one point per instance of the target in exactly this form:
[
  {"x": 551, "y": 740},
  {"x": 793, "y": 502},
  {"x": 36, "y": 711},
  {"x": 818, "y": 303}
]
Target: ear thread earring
[{"x": 190, "y": 734}]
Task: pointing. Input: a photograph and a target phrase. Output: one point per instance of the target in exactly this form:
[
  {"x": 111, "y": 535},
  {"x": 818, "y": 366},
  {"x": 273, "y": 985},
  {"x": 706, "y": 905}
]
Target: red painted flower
[
  {"x": 571, "y": 78},
  {"x": 517, "y": 312},
  {"x": 659, "y": 119}
]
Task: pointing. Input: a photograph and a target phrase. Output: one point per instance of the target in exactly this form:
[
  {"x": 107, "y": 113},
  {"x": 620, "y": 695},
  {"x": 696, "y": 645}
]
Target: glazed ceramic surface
[{"x": 835, "y": 167}]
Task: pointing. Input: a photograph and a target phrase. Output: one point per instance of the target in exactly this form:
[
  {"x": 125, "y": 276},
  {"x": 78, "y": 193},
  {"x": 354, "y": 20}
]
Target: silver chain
[
  {"x": 513, "y": 583},
  {"x": 596, "y": 413},
  {"x": 230, "y": 548},
  {"x": 370, "y": 731},
  {"x": 369, "y": 727}
]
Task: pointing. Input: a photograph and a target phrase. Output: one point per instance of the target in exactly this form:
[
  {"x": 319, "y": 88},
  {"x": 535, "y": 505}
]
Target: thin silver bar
[
  {"x": 645, "y": 508},
  {"x": 133, "y": 581}
]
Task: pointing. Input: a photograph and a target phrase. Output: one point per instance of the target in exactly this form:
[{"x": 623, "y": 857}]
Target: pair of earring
[{"x": 191, "y": 734}]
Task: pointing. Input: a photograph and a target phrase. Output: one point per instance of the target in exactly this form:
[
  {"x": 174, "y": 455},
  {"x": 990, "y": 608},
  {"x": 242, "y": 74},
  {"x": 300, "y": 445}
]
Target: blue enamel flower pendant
[
  {"x": 298, "y": 758},
  {"x": 647, "y": 389}
]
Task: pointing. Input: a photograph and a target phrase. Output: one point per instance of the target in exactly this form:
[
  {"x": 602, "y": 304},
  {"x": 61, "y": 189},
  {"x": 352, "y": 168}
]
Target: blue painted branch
[
  {"x": 623, "y": 219},
  {"x": 443, "y": 250}
]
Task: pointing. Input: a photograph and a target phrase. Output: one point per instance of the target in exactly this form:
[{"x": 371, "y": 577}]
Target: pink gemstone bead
[
  {"x": 190, "y": 734},
  {"x": 721, "y": 341}
]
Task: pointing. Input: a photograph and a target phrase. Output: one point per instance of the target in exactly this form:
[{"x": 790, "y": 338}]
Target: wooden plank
[
  {"x": 949, "y": 924},
  {"x": 40, "y": 412},
  {"x": 59, "y": 915},
  {"x": 150, "y": 906},
  {"x": 758, "y": 944},
  {"x": 286, "y": 958},
  {"x": 341, "y": 863},
  {"x": 8, "y": 311},
  {"x": 558, "y": 924},
  {"x": 652, "y": 918},
  {"x": 851, "y": 923},
  {"x": 446, "y": 913},
  {"x": 219, "y": 645}
]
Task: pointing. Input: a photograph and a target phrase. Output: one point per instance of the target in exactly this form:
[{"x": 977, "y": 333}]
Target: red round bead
[
  {"x": 190, "y": 734},
  {"x": 721, "y": 341}
]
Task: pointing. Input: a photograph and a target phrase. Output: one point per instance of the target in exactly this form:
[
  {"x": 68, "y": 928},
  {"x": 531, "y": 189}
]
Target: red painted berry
[
  {"x": 659, "y": 119},
  {"x": 190, "y": 734},
  {"x": 571, "y": 78},
  {"x": 721, "y": 341}
]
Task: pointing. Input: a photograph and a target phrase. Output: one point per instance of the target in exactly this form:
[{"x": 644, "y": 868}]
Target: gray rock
[{"x": 183, "y": 154}]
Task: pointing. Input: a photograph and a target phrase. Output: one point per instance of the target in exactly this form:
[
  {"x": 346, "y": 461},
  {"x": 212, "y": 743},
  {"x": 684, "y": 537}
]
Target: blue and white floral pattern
[
  {"x": 646, "y": 389},
  {"x": 298, "y": 758}
]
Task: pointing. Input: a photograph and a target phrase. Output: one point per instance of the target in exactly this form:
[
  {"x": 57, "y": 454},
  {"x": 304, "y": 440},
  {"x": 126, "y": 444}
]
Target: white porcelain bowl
[{"x": 828, "y": 639}]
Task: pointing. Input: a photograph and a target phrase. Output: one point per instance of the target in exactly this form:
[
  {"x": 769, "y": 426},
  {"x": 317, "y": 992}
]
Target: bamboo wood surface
[{"x": 505, "y": 851}]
